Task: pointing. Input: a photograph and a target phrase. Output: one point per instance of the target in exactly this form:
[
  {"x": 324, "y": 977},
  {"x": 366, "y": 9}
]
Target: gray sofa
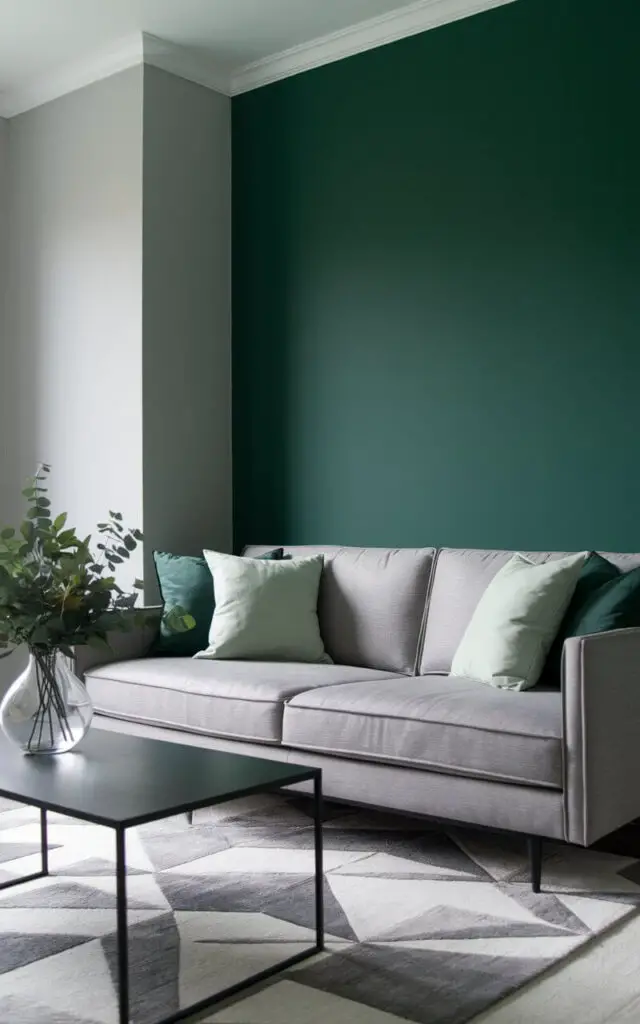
[{"x": 386, "y": 723}]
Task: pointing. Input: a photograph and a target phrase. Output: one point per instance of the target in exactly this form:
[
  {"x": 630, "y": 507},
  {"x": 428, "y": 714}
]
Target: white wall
[
  {"x": 5, "y": 390},
  {"x": 11, "y": 666},
  {"x": 73, "y": 352},
  {"x": 186, "y": 317},
  {"x": 115, "y": 358}
]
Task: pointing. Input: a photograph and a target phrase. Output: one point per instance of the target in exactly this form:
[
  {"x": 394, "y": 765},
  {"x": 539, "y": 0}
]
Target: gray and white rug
[{"x": 421, "y": 925}]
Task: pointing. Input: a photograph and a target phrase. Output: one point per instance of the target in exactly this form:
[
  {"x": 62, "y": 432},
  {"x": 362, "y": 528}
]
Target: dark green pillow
[
  {"x": 185, "y": 581},
  {"x": 616, "y": 605},
  {"x": 605, "y": 598}
]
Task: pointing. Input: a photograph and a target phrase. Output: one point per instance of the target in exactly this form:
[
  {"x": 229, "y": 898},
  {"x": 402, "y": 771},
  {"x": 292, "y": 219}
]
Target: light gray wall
[
  {"x": 186, "y": 317},
  {"x": 115, "y": 354},
  {"x": 73, "y": 351},
  {"x": 5, "y": 390}
]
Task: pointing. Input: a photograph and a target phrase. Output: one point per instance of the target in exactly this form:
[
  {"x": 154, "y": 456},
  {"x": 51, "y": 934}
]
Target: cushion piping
[
  {"x": 165, "y": 724},
  {"x": 428, "y": 721},
  {"x": 420, "y": 765}
]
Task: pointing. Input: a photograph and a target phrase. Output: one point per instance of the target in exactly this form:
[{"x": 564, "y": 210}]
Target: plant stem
[{"x": 51, "y": 703}]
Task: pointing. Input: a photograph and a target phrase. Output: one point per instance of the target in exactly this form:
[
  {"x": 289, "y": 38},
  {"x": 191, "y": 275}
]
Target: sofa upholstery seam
[
  {"x": 430, "y": 766},
  {"x": 187, "y": 693},
  {"x": 425, "y": 721},
  {"x": 164, "y": 724}
]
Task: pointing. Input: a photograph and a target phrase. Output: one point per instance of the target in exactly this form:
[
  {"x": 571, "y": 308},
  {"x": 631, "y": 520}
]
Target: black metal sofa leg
[{"x": 535, "y": 861}]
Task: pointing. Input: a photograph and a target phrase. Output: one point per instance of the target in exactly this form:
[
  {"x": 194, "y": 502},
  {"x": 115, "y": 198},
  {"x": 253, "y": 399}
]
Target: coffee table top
[{"x": 118, "y": 780}]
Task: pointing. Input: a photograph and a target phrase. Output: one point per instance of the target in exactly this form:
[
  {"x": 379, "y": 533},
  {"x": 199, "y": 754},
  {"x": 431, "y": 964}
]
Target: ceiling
[{"x": 42, "y": 38}]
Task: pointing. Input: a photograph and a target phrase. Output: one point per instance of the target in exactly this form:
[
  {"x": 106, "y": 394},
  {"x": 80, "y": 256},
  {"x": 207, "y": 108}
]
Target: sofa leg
[
  {"x": 189, "y": 817},
  {"x": 535, "y": 861}
]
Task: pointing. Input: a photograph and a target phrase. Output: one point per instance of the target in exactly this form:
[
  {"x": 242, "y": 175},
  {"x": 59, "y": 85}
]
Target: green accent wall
[{"x": 436, "y": 296}]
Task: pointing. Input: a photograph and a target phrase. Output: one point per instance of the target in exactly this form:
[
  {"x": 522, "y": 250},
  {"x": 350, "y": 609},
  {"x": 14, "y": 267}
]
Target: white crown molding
[
  {"x": 126, "y": 53},
  {"x": 366, "y": 35},
  {"x": 140, "y": 47},
  {"x": 185, "y": 63}
]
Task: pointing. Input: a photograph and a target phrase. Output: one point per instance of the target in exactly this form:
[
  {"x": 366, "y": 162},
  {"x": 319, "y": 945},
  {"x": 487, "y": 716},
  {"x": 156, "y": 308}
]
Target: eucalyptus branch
[{"x": 54, "y": 593}]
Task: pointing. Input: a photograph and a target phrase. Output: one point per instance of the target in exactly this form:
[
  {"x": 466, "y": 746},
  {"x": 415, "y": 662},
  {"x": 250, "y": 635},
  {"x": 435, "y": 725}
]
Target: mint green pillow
[
  {"x": 511, "y": 630},
  {"x": 185, "y": 581},
  {"x": 265, "y": 611}
]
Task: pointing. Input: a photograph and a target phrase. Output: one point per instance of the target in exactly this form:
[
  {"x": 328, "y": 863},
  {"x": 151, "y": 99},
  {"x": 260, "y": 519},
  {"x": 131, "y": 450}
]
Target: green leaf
[
  {"x": 59, "y": 521},
  {"x": 67, "y": 539},
  {"x": 138, "y": 584},
  {"x": 29, "y": 492},
  {"x": 137, "y": 534},
  {"x": 130, "y": 543},
  {"x": 178, "y": 621},
  {"x": 8, "y": 533}
]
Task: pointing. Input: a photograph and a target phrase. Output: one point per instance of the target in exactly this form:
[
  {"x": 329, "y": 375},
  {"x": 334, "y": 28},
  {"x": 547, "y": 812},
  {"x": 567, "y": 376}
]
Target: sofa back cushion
[
  {"x": 371, "y": 603},
  {"x": 460, "y": 577}
]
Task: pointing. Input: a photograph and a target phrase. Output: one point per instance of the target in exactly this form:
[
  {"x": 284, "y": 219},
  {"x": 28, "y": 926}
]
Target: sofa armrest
[
  {"x": 125, "y": 646},
  {"x": 601, "y": 709}
]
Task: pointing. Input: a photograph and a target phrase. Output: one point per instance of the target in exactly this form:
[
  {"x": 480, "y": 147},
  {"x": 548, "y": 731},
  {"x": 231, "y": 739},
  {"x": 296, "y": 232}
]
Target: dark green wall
[{"x": 437, "y": 289}]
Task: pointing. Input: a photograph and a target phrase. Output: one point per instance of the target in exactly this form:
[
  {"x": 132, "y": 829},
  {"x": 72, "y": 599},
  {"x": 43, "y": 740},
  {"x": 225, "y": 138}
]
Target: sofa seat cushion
[
  {"x": 458, "y": 726},
  {"x": 239, "y": 699}
]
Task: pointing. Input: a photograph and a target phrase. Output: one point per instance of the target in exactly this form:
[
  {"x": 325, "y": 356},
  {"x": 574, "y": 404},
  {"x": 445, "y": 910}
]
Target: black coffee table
[{"x": 121, "y": 781}]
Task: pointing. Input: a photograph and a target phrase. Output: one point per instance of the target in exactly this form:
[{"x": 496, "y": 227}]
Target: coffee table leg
[
  {"x": 44, "y": 841},
  {"x": 122, "y": 946},
  {"x": 317, "y": 814}
]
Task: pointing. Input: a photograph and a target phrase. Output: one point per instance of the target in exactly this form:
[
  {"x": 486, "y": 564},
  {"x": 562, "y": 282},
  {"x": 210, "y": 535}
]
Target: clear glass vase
[{"x": 47, "y": 710}]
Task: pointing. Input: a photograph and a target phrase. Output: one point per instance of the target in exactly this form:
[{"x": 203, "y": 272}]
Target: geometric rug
[{"x": 421, "y": 924}]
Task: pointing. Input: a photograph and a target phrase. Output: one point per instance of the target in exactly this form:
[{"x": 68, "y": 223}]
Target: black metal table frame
[{"x": 121, "y": 906}]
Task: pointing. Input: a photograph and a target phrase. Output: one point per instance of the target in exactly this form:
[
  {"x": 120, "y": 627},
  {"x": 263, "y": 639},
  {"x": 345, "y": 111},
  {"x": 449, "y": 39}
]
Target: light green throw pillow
[
  {"x": 265, "y": 611},
  {"x": 510, "y": 633}
]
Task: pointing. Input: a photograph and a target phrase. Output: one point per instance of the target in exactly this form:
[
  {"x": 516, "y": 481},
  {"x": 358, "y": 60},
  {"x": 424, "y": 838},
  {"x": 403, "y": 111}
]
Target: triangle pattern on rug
[
  {"x": 446, "y": 922},
  {"x": 224, "y": 892},
  {"x": 373, "y": 909},
  {"x": 14, "y": 851},
  {"x": 18, "y": 950},
  {"x": 94, "y": 866},
  {"x": 416, "y": 929},
  {"x": 16, "y": 1010},
  {"x": 154, "y": 967},
  {"x": 422, "y": 986},
  {"x": 65, "y": 896},
  {"x": 164, "y": 852}
]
